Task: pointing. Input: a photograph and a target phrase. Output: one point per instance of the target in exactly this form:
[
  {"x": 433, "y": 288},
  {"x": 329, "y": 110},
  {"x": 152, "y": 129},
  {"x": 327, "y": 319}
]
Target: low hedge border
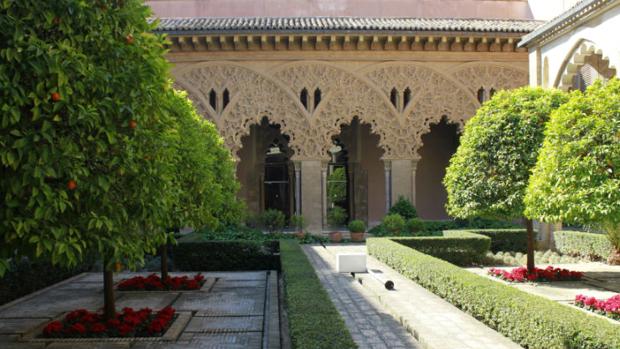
[
  {"x": 457, "y": 246},
  {"x": 314, "y": 322},
  {"x": 226, "y": 255},
  {"x": 513, "y": 240},
  {"x": 588, "y": 245},
  {"x": 531, "y": 321}
]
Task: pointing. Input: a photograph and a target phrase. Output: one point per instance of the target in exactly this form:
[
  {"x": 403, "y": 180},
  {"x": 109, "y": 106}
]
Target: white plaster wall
[{"x": 602, "y": 30}]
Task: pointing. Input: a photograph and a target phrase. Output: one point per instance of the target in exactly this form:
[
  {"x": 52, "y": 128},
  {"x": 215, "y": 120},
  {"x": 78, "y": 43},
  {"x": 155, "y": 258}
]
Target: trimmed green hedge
[
  {"x": 577, "y": 243},
  {"x": 226, "y": 255},
  {"x": 514, "y": 240},
  {"x": 25, "y": 276},
  {"x": 314, "y": 322},
  {"x": 456, "y": 246},
  {"x": 531, "y": 321}
]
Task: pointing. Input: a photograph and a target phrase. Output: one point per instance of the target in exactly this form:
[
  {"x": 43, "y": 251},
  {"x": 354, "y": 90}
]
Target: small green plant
[
  {"x": 336, "y": 216},
  {"x": 394, "y": 223},
  {"x": 299, "y": 222},
  {"x": 414, "y": 225},
  {"x": 357, "y": 226},
  {"x": 272, "y": 220},
  {"x": 404, "y": 208}
]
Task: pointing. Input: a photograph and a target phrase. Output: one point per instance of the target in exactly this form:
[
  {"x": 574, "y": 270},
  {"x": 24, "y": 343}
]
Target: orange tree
[
  {"x": 204, "y": 173},
  {"x": 490, "y": 170},
  {"x": 576, "y": 177},
  {"x": 84, "y": 167}
]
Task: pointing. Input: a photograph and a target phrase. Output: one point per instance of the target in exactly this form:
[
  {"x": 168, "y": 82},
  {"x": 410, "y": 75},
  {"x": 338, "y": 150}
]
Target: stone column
[
  {"x": 403, "y": 179},
  {"x": 324, "y": 165},
  {"x": 297, "y": 165},
  {"x": 388, "y": 184},
  {"x": 311, "y": 194}
]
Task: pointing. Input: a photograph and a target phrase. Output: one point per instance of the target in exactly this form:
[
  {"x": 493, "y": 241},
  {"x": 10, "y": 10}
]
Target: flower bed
[
  {"x": 608, "y": 307},
  {"x": 550, "y": 273},
  {"x": 155, "y": 283},
  {"x": 82, "y": 323}
]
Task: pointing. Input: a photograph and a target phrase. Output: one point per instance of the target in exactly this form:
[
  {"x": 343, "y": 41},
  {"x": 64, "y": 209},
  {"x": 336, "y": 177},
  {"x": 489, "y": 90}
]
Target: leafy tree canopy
[
  {"x": 83, "y": 158},
  {"x": 577, "y": 176},
  {"x": 489, "y": 173}
]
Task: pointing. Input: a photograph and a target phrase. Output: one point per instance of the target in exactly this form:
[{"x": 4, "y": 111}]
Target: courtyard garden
[{"x": 103, "y": 163}]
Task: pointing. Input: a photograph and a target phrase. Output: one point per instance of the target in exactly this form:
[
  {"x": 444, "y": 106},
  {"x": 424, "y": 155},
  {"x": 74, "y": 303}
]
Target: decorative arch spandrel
[{"x": 486, "y": 75}]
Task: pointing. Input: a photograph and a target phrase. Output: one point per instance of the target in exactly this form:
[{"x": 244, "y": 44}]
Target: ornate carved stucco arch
[
  {"x": 489, "y": 75},
  {"x": 577, "y": 57},
  {"x": 253, "y": 96},
  {"x": 346, "y": 95},
  {"x": 434, "y": 96}
]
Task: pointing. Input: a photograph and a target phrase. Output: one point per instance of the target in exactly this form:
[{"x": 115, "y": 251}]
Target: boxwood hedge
[
  {"x": 226, "y": 255},
  {"x": 531, "y": 321},
  {"x": 589, "y": 245},
  {"x": 314, "y": 322},
  {"x": 459, "y": 247},
  {"x": 514, "y": 240}
]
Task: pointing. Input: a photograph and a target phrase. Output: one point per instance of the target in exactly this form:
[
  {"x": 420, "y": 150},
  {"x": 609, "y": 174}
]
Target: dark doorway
[{"x": 276, "y": 180}]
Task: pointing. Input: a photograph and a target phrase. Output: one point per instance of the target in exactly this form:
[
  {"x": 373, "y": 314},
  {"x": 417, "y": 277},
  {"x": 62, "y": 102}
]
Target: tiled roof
[
  {"x": 207, "y": 25},
  {"x": 580, "y": 10}
]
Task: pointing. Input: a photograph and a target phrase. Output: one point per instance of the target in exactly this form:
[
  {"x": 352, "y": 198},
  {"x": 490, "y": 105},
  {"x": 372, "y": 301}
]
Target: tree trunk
[
  {"x": 109, "y": 311},
  {"x": 529, "y": 225},
  {"x": 163, "y": 254}
]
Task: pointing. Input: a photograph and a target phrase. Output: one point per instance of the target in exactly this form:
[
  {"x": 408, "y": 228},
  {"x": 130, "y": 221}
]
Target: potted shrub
[
  {"x": 393, "y": 223},
  {"x": 299, "y": 222},
  {"x": 272, "y": 220},
  {"x": 336, "y": 217},
  {"x": 357, "y": 229},
  {"x": 404, "y": 208}
]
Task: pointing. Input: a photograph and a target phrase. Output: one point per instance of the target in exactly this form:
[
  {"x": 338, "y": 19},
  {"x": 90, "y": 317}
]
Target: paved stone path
[
  {"x": 369, "y": 324},
  {"x": 435, "y": 323},
  {"x": 233, "y": 310}
]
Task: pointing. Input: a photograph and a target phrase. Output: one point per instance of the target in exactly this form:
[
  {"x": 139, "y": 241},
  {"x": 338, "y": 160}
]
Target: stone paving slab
[
  {"x": 153, "y": 300},
  {"x": 54, "y": 302},
  {"x": 19, "y": 326},
  {"x": 248, "y": 301},
  {"x": 225, "y": 324},
  {"x": 434, "y": 322},
  {"x": 210, "y": 341},
  {"x": 367, "y": 321},
  {"x": 224, "y": 283}
]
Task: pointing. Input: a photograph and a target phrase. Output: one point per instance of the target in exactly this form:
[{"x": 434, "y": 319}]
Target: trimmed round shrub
[
  {"x": 415, "y": 225},
  {"x": 357, "y": 226},
  {"x": 272, "y": 220},
  {"x": 394, "y": 223},
  {"x": 404, "y": 208}
]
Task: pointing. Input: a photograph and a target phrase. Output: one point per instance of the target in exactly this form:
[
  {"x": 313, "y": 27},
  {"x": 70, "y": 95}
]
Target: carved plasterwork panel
[{"x": 489, "y": 76}]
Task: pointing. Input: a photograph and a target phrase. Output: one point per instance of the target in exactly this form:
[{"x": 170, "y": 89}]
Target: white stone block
[{"x": 351, "y": 262}]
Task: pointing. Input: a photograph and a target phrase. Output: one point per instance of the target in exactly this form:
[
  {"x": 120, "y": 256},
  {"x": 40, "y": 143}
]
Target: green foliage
[
  {"x": 530, "y": 321},
  {"x": 244, "y": 233},
  {"x": 226, "y": 255},
  {"x": 505, "y": 239},
  {"x": 25, "y": 276},
  {"x": 337, "y": 186},
  {"x": 357, "y": 226},
  {"x": 84, "y": 159},
  {"x": 404, "y": 208},
  {"x": 588, "y": 245},
  {"x": 489, "y": 173},
  {"x": 455, "y": 246},
  {"x": 336, "y": 216},
  {"x": 272, "y": 220},
  {"x": 415, "y": 225},
  {"x": 204, "y": 171},
  {"x": 393, "y": 223},
  {"x": 314, "y": 322},
  {"x": 299, "y": 222},
  {"x": 519, "y": 259},
  {"x": 576, "y": 177}
]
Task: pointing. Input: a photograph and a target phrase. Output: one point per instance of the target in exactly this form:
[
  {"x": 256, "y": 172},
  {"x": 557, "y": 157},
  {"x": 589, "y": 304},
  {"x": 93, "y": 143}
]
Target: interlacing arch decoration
[
  {"x": 584, "y": 52},
  {"x": 252, "y": 97},
  {"x": 433, "y": 96},
  {"x": 346, "y": 95},
  {"x": 489, "y": 77}
]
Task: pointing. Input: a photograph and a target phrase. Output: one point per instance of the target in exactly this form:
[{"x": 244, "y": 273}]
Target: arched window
[
  {"x": 213, "y": 99},
  {"x": 317, "y": 97},
  {"x": 303, "y": 97},
  {"x": 406, "y": 97},
  {"x": 481, "y": 95},
  {"x": 225, "y": 98},
  {"x": 394, "y": 97}
]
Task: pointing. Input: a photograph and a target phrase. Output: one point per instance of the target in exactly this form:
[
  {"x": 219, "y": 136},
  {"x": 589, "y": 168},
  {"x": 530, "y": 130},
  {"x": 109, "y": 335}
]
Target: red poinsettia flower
[{"x": 53, "y": 328}]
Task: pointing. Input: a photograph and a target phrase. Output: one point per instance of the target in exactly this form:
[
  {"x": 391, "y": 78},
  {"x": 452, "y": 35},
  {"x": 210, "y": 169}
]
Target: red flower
[
  {"x": 124, "y": 330},
  {"x": 52, "y": 328},
  {"x": 78, "y": 328},
  {"x": 98, "y": 328}
]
